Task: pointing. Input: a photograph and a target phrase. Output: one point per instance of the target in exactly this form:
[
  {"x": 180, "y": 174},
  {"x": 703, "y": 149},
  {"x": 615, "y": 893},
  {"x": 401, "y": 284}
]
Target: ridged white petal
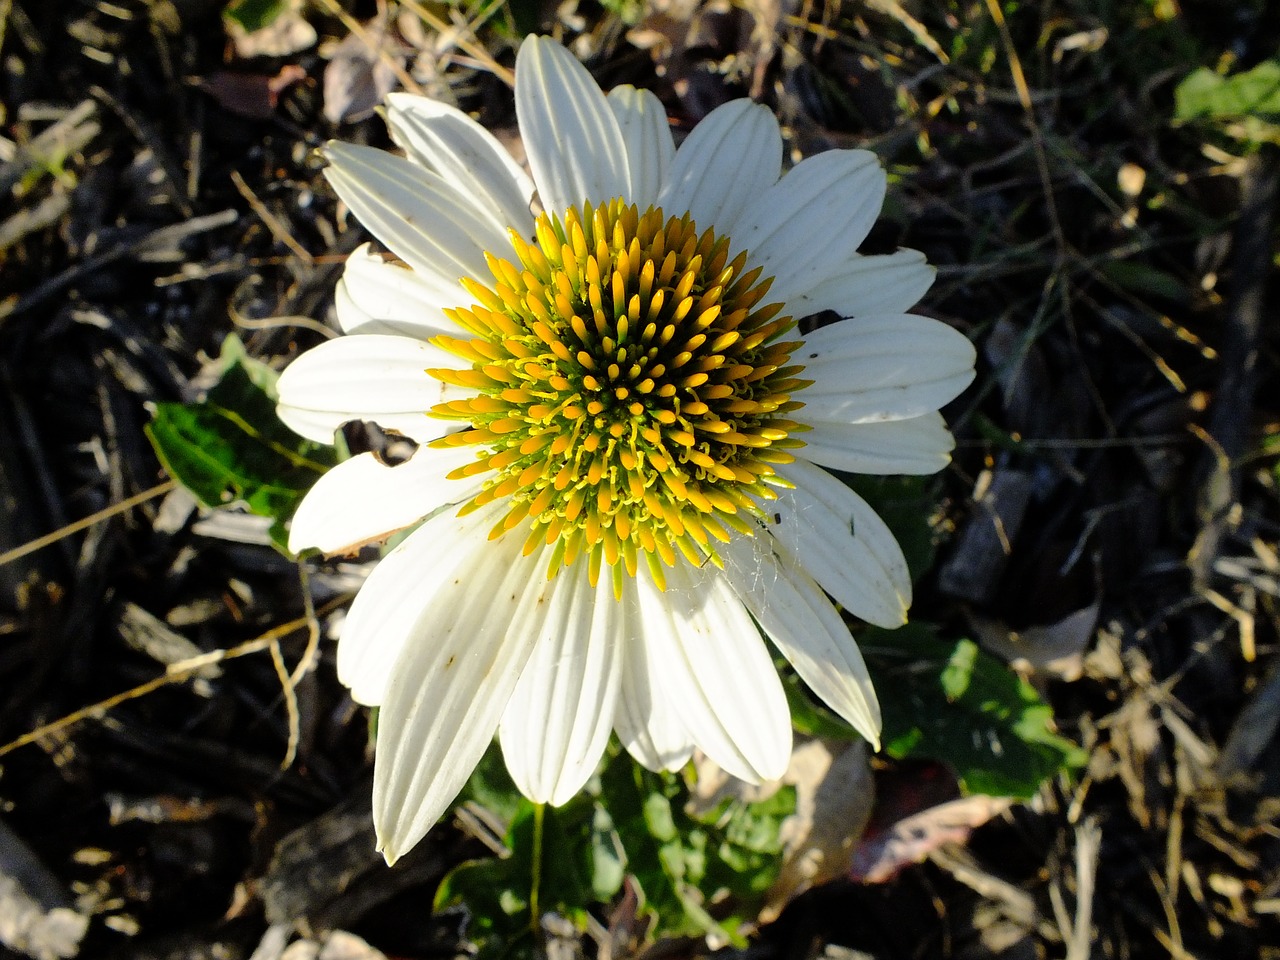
[
  {"x": 800, "y": 620},
  {"x": 646, "y": 721},
  {"x": 387, "y": 611},
  {"x": 919, "y": 446},
  {"x": 558, "y": 720},
  {"x": 570, "y": 134},
  {"x": 724, "y": 167},
  {"x": 808, "y": 225},
  {"x": 889, "y": 283},
  {"x": 452, "y": 682},
  {"x": 363, "y": 501},
  {"x": 446, "y": 140},
  {"x": 843, "y": 544},
  {"x": 421, "y": 218},
  {"x": 717, "y": 671},
  {"x": 377, "y": 296},
  {"x": 372, "y": 377},
  {"x": 883, "y": 367},
  {"x": 647, "y": 137}
]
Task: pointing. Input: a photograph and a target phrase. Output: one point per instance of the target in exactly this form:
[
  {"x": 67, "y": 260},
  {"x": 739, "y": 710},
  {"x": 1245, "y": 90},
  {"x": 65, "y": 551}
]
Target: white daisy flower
[{"x": 625, "y": 439}]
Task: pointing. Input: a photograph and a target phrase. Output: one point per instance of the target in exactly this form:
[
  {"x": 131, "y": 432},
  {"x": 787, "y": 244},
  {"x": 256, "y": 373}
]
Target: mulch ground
[{"x": 1112, "y": 507}]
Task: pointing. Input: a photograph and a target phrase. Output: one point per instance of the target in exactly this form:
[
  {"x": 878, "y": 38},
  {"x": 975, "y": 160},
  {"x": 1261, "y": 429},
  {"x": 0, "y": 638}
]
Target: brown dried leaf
[
  {"x": 911, "y": 839},
  {"x": 1056, "y": 649},
  {"x": 834, "y": 797},
  {"x": 359, "y": 77}
]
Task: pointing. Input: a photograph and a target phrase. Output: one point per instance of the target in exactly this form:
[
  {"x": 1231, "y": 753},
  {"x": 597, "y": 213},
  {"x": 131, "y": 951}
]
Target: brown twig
[{"x": 270, "y": 220}]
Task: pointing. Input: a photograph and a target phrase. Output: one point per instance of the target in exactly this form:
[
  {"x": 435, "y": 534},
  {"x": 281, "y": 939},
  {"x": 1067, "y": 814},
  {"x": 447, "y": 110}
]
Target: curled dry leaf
[
  {"x": 985, "y": 544},
  {"x": 911, "y": 839},
  {"x": 834, "y": 796},
  {"x": 251, "y": 94},
  {"x": 1056, "y": 649},
  {"x": 360, "y": 73}
]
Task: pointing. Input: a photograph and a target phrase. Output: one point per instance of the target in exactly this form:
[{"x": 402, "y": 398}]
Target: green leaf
[
  {"x": 500, "y": 893},
  {"x": 629, "y": 12},
  {"x": 949, "y": 701},
  {"x": 629, "y": 822},
  {"x": 682, "y": 863},
  {"x": 958, "y": 672},
  {"x": 1252, "y": 93},
  {"x": 254, "y": 14},
  {"x": 491, "y": 786},
  {"x": 1143, "y": 279},
  {"x": 809, "y": 717},
  {"x": 1245, "y": 105},
  {"x": 231, "y": 447}
]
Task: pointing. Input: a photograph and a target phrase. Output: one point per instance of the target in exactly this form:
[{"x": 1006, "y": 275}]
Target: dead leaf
[
  {"x": 251, "y": 94},
  {"x": 1253, "y": 730},
  {"x": 1022, "y": 372},
  {"x": 910, "y": 840},
  {"x": 36, "y": 918},
  {"x": 1056, "y": 649},
  {"x": 982, "y": 552},
  {"x": 360, "y": 74},
  {"x": 834, "y": 796}
]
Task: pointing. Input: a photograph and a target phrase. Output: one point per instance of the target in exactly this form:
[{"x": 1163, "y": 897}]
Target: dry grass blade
[
  {"x": 105, "y": 513},
  {"x": 177, "y": 673}
]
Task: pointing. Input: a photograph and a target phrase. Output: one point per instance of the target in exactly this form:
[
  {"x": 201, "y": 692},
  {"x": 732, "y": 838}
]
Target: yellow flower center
[{"x": 633, "y": 389}]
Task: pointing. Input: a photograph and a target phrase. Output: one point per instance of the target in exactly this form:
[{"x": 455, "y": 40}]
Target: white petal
[
  {"x": 372, "y": 377},
  {"x": 399, "y": 591},
  {"x": 806, "y": 228},
  {"x": 919, "y": 446},
  {"x": 446, "y": 140},
  {"x": 363, "y": 501},
  {"x": 717, "y": 671},
  {"x": 890, "y": 283},
  {"x": 843, "y": 545},
  {"x": 646, "y": 721},
  {"x": 724, "y": 166},
  {"x": 647, "y": 137},
  {"x": 451, "y": 684},
  {"x": 377, "y": 296},
  {"x": 574, "y": 145},
  {"x": 883, "y": 367},
  {"x": 558, "y": 720},
  {"x": 805, "y": 627},
  {"x": 421, "y": 218}
]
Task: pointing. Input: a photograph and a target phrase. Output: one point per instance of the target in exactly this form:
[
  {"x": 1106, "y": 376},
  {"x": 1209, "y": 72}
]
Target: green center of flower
[{"x": 633, "y": 389}]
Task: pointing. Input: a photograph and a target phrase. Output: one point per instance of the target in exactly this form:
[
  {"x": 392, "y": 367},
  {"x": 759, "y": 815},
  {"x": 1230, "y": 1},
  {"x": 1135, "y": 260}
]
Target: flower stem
[{"x": 535, "y": 887}]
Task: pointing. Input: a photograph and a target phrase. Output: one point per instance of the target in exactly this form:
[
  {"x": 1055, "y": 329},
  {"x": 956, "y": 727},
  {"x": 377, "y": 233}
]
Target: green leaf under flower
[{"x": 629, "y": 823}]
